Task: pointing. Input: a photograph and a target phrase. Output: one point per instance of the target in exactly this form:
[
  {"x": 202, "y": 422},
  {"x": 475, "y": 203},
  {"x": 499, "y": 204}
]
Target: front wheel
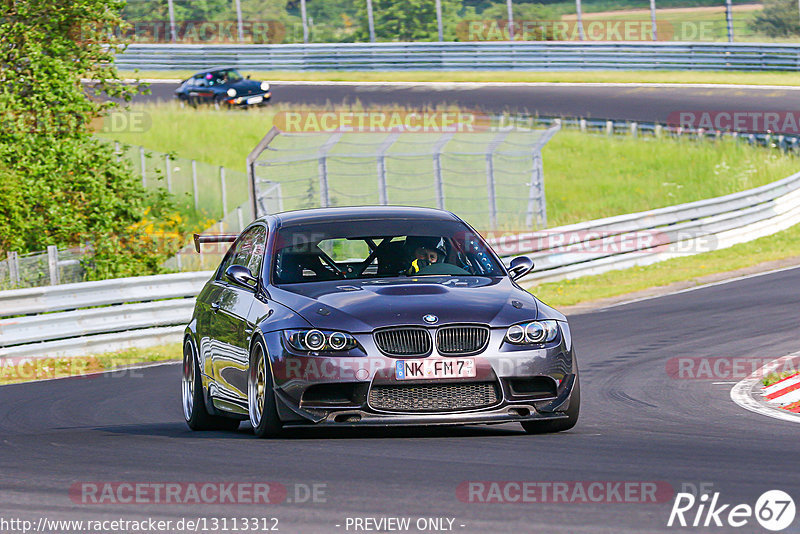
[
  {"x": 260, "y": 396},
  {"x": 194, "y": 406},
  {"x": 558, "y": 425}
]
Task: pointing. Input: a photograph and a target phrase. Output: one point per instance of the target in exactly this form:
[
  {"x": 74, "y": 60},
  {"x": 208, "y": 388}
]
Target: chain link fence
[
  {"x": 494, "y": 179},
  {"x": 43, "y": 268}
]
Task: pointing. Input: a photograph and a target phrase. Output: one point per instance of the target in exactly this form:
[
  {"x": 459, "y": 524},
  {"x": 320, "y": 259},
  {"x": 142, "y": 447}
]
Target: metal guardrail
[
  {"x": 101, "y": 316},
  {"x": 647, "y": 237},
  {"x": 517, "y": 55}
]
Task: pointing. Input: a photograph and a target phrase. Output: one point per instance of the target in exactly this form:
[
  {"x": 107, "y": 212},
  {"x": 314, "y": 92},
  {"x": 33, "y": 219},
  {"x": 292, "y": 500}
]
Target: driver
[{"x": 427, "y": 251}]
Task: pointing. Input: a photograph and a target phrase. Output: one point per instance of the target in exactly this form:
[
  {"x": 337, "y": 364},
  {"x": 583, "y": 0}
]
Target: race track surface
[
  {"x": 654, "y": 103},
  {"x": 637, "y": 424}
]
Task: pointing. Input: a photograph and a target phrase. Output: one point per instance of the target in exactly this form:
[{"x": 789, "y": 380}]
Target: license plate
[
  {"x": 437, "y": 368},
  {"x": 255, "y": 100}
]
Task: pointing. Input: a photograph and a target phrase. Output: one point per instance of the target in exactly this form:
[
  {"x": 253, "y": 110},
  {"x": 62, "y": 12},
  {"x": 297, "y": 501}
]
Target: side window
[
  {"x": 200, "y": 82},
  {"x": 247, "y": 251}
]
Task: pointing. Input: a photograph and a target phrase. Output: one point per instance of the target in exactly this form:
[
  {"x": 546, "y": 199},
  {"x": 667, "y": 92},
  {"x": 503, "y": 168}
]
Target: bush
[
  {"x": 58, "y": 184},
  {"x": 779, "y": 18}
]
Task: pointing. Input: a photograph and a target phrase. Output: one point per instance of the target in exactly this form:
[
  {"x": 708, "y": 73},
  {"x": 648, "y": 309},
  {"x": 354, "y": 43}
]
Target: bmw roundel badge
[{"x": 430, "y": 318}]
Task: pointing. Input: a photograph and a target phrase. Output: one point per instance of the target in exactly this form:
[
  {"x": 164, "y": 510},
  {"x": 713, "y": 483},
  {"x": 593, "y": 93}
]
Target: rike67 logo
[{"x": 774, "y": 510}]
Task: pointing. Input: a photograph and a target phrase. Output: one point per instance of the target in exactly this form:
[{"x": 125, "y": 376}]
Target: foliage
[
  {"x": 408, "y": 20},
  {"x": 60, "y": 185},
  {"x": 779, "y": 18}
]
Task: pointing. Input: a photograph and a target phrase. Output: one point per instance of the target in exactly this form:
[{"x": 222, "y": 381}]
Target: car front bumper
[{"x": 294, "y": 374}]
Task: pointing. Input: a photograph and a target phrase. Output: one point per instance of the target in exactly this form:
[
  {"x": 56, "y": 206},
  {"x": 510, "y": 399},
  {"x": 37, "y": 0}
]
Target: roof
[{"x": 361, "y": 213}]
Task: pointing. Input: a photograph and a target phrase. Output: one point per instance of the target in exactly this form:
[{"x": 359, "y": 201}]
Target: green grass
[
  {"x": 785, "y": 244},
  {"x": 598, "y": 76},
  {"x": 587, "y": 176},
  {"x": 49, "y": 368},
  {"x": 776, "y": 377}
]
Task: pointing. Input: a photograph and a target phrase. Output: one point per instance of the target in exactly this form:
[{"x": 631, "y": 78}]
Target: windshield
[
  {"x": 380, "y": 249},
  {"x": 221, "y": 77}
]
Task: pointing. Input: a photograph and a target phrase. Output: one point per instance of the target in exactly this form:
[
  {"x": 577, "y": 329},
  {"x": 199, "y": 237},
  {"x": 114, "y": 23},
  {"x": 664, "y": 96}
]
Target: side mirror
[
  {"x": 241, "y": 275},
  {"x": 519, "y": 267}
]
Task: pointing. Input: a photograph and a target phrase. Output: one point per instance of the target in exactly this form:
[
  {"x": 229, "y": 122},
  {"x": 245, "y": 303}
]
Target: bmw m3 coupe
[{"x": 373, "y": 316}]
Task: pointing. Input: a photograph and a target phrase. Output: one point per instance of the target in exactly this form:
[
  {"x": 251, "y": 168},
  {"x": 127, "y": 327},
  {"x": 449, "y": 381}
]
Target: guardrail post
[
  {"x": 582, "y": 124},
  {"x": 52, "y": 264},
  {"x": 634, "y": 128},
  {"x": 657, "y": 130},
  {"x": 609, "y": 127},
  {"x": 13, "y": 267},
  {"x": 142, "y": 164},
  {"x": 168, "y": 167},
  {"x": 194, "y": 184},
  {"x": 224, "y": 192},
  {"x": 240, "y": 218}
]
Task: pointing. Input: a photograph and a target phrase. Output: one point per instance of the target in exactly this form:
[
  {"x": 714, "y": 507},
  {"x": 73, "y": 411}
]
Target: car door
[{"x": 230, "y": 327}]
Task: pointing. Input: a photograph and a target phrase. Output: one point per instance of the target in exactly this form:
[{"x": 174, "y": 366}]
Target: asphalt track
[
  {"x": 624, "y": 102},
  {"x": 637, "y": 424}
]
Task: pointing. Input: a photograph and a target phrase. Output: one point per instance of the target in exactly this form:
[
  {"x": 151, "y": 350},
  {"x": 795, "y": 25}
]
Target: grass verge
[
  {"x": 782, "y": 245},
  {"x": 598, "y": 76},
  {"x": 16, "y": 370},
  {"x": 776, "y": 377}
]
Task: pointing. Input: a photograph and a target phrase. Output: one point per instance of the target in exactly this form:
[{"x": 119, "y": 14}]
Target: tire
[
  {"x": 558, "y": 425},
  {"x": 194, "y": 406},
  {"x": 260, "y": 396}
]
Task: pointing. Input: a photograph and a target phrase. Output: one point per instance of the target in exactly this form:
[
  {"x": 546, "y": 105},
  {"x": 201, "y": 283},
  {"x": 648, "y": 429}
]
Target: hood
[
  {"x": 246, "y": 87},
  {"x": 364, "y": 305}
]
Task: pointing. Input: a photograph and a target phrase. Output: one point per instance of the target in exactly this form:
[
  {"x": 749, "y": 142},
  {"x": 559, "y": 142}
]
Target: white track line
[
  {"x": 741, "y": 393},
  {"x": 703, "y": 286}
]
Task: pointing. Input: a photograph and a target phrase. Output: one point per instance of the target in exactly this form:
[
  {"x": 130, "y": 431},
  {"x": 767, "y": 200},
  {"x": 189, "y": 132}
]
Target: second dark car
[{"x": 223, "y": 86}]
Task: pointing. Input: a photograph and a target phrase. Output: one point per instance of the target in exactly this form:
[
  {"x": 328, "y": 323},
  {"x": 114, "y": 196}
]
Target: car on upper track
[
  {"x": 223, "y": 86},
  {"x": 373, "y": 317}
]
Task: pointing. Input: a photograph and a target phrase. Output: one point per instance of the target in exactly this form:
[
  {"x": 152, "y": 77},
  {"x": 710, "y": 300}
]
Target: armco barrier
[
  {"x": 76, "y": 319},
  {"x": 101, "y": 316},
  {"x": 596, "y": 246},
  {"x": 517, "y": 55}
]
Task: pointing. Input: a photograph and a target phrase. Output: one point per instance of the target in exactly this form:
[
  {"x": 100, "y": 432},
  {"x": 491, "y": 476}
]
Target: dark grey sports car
[{"x": 373, "y": 316}]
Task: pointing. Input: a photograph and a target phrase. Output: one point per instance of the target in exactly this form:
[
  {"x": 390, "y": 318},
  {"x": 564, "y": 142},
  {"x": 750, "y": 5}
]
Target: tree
[
  {"x": 408, "y": 20},
  {"x": 61, "y": 185},
  {"x": 779, "y": 18}
]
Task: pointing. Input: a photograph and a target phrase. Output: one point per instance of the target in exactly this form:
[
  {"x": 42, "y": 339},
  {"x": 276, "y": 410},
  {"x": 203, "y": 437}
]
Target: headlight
[
  {"x": 319, "y": 340},
  {"x": 264, "y": 86},
  {"x": 533, "y": 333},
  {"x": 231, "y": 92}
]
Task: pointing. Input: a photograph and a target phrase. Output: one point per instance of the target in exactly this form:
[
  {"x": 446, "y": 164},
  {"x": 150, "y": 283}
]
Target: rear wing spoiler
[{"x": 213, "y": 238}]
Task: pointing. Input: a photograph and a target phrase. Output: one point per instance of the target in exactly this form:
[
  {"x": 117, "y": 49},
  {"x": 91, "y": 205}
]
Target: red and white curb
[
  {"x": 785, "y": 393},
  {"x": 751, "y": 395}
]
